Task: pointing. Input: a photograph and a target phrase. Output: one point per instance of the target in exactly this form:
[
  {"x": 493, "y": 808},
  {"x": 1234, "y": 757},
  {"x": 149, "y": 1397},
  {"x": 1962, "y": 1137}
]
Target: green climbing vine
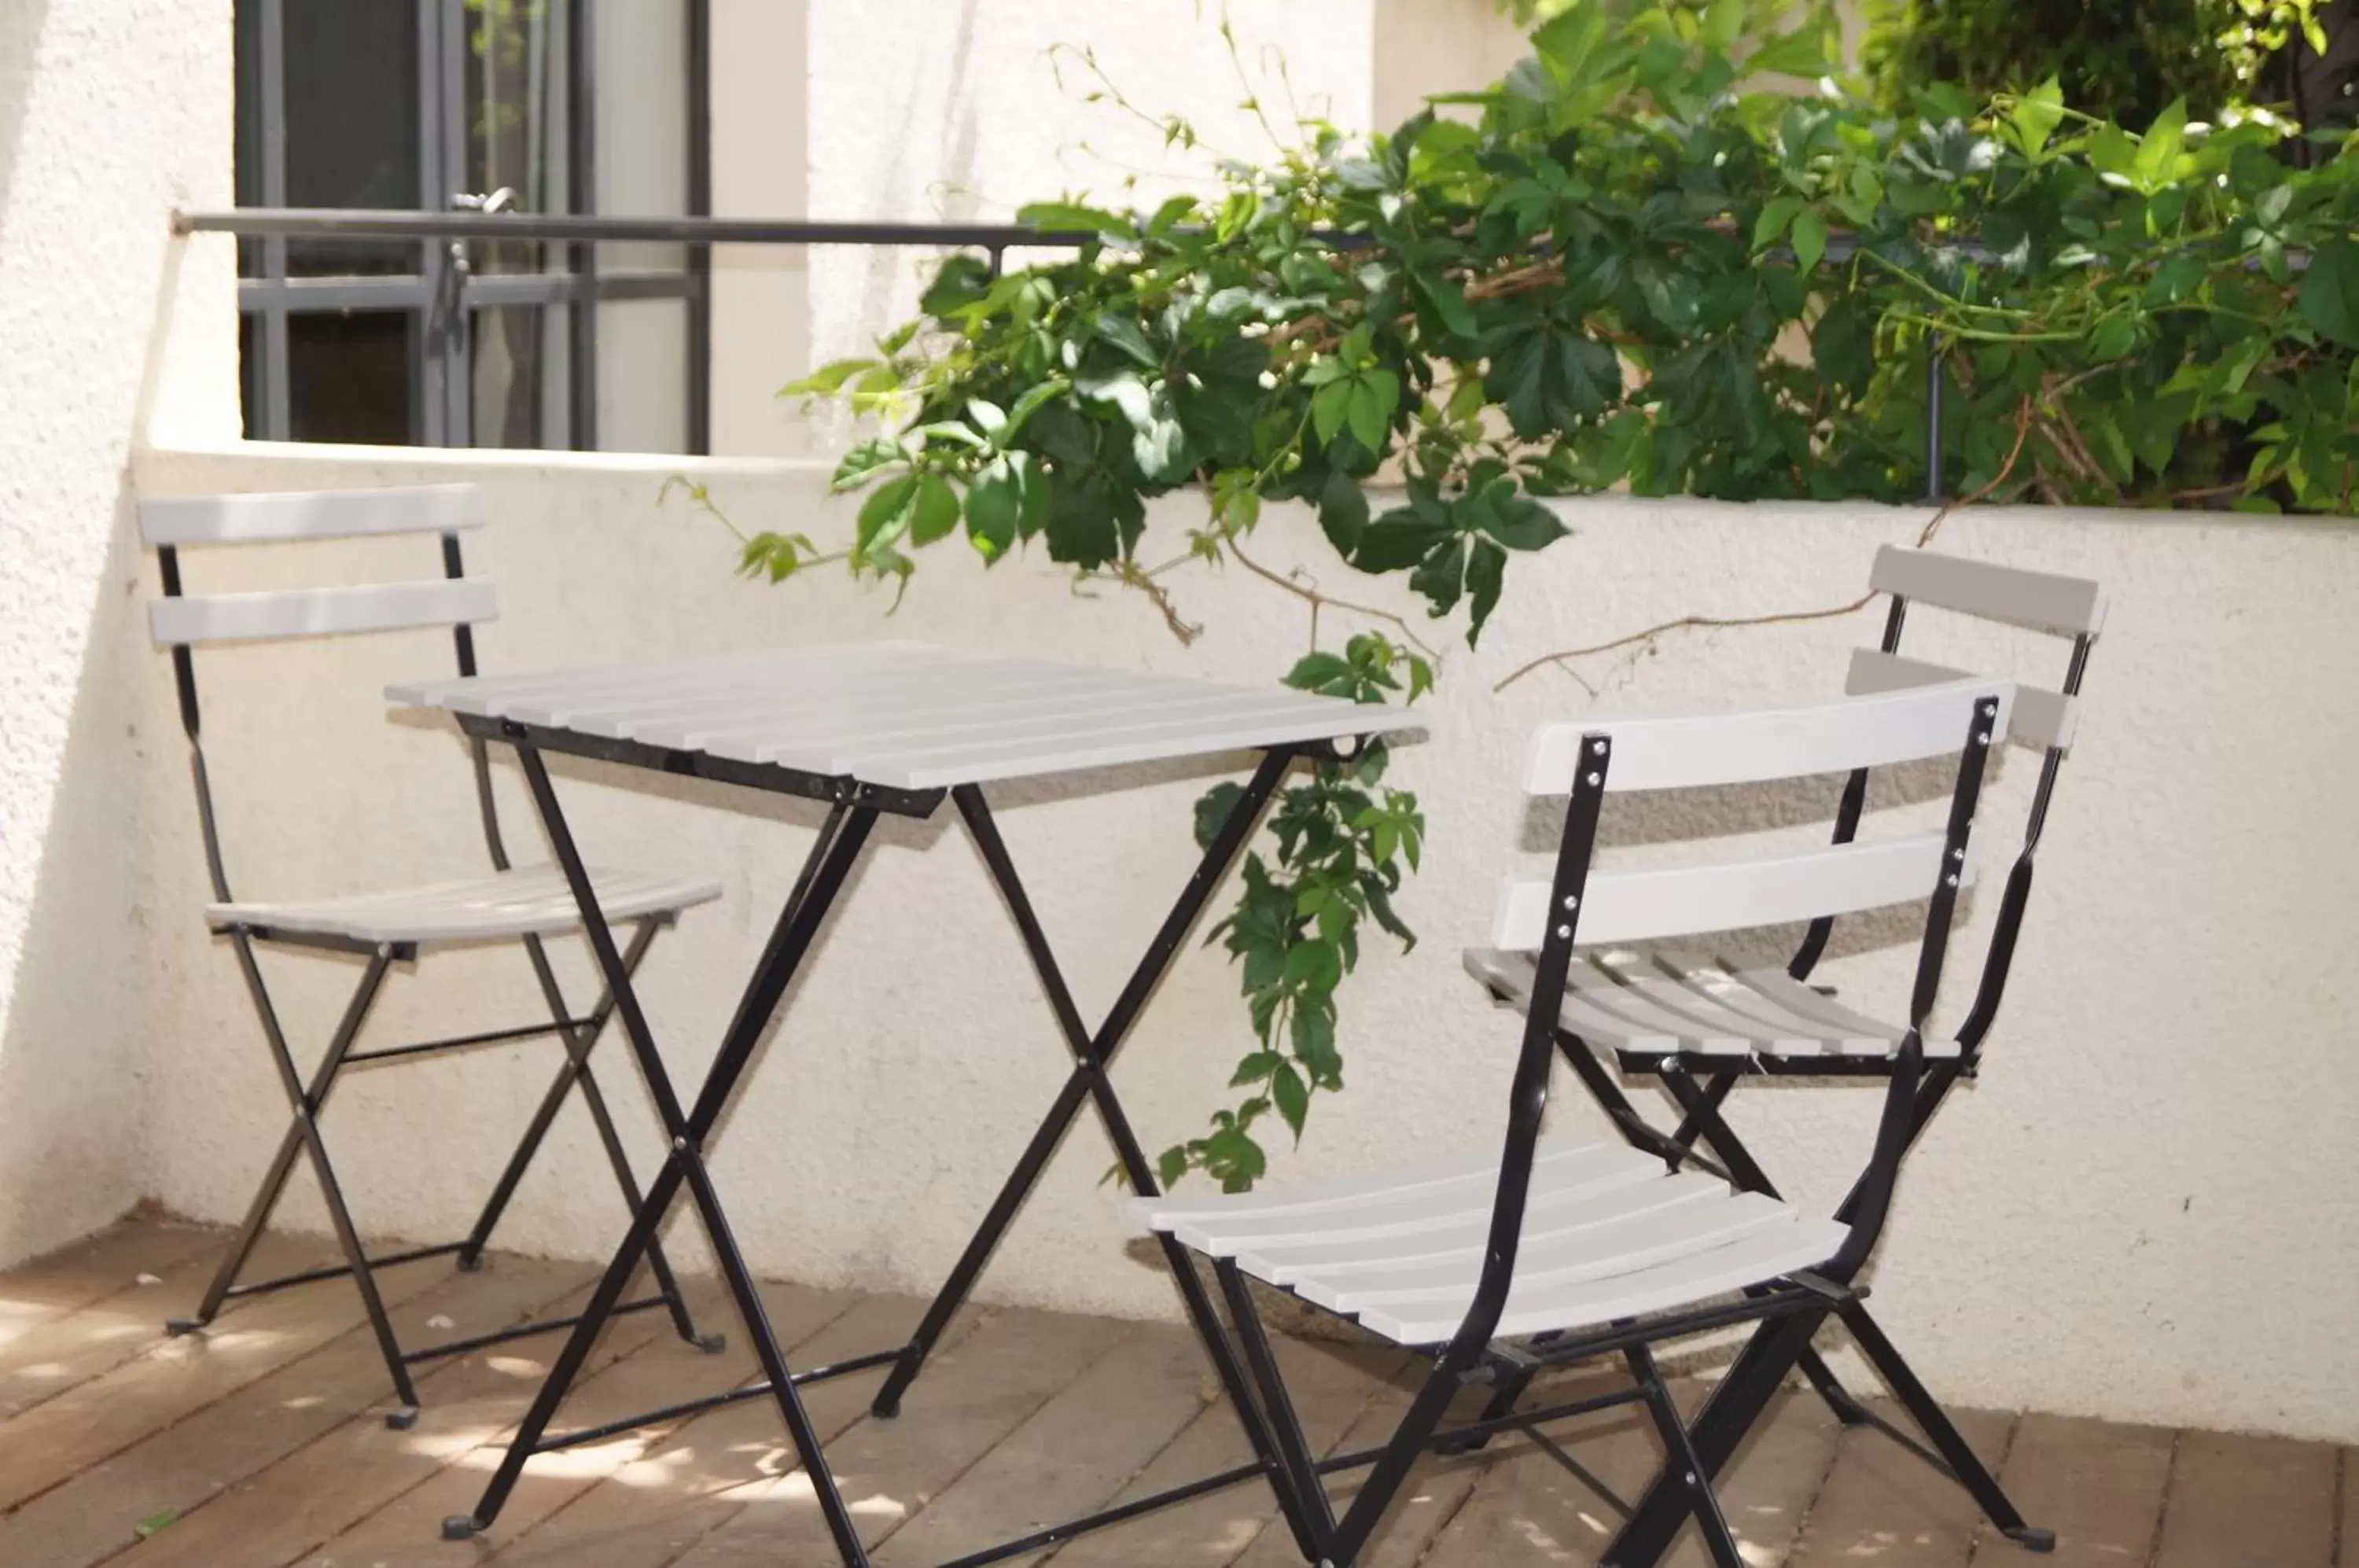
[{"x": 1626, "y": 265}]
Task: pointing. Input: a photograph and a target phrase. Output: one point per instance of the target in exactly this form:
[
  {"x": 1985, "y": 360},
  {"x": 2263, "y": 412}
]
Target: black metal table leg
[
  {"x": 1091, "y": 1055},
  {"x": 822, "y": 879}
]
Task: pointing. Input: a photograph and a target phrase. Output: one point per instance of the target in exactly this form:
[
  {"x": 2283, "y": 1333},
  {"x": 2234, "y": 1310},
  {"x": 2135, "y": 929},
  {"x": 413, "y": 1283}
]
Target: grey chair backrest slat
[
  {"x": 311, "y": 515},
  {"x": 2041, "y": 600},
  {"x": 181, "y": 620},
  {"x": 1798, "y": 741}
]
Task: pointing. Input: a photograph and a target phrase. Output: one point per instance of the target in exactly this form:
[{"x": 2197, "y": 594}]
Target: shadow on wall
[
  {"x": 20, "y": 41},
  {"x": 69, "y": 1102}
]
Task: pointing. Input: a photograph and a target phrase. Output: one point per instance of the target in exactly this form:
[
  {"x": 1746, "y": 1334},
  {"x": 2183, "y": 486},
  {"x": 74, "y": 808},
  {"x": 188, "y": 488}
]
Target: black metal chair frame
[
  {"x": 308, "y": 1098},
  {"x": 1699, "y": 1085},
  {"x": 1788, "y": 1312}
]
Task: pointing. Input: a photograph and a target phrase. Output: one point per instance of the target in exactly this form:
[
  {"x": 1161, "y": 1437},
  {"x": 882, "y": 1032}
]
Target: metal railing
[{"x": 446, "y": 325}]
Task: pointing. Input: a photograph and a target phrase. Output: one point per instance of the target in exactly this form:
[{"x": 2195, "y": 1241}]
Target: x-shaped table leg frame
[
  {"x": 1093, "y": 1054},
  {"x": 823, "y": 877}
]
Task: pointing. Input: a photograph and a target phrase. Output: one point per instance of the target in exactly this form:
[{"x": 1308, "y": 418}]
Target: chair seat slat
[{"x": 527, "y": 901}]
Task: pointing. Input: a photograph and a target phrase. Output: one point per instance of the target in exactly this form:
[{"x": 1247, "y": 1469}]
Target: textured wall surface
[
  {"x": 112, "y": 112},
  {"x": 2152, "y": 1178}
]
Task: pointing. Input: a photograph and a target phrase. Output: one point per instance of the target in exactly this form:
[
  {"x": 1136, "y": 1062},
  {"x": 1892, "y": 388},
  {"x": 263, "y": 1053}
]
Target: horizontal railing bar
[
  {"x": 604, "y": 1430},
  {"x": 521, "y": 1331},
  {"x": 337, "y": 1270},
  {"x": 364, "y": 223}
]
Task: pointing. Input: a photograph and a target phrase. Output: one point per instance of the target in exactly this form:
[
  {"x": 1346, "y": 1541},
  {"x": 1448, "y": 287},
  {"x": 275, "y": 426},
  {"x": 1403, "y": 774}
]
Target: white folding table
[{"x": 883, "y": 727}]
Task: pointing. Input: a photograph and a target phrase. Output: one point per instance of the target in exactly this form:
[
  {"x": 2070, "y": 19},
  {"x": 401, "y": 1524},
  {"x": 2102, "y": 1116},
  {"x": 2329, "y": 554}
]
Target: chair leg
[
  {"x": 1384, "y": 1482},
  {"x": 303, "y": 1135},
  {"x": 1681, "y": 1463},
  {"x": 576, "y": 1073},
  {"x": 1313, "y": 1517},
  {"x": 1965, "y": 1467},
  {"x": 1744, "y": 1391}
]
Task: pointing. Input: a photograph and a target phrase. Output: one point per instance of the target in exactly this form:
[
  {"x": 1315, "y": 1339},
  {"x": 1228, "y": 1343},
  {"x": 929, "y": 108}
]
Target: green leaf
[
  {"x": 2156, "y": 164},
  {"x": 156, "y": 1523},
  {"x": 1801, "y": 53},
  {"x": 963, "y": 282},
  {"x": 2328, "y": 298},
  {"x": 1486, "y": 566},
  {"x": 1342, "y": 511},
  {"x": 1292, "y": 1095},
  {"x": 1374, "y": 397},
  {"x": 1810, "y": 240},
  {"x": 1775, "y": 216},
  {"x": 1073, "y": 217},
  {"x": 1313, "y": 966},
  {"x": 1329, "y": 406},
  {"x": 1029, "y": 404},
  {"x": 829, "y": 378},
  {"x": 1213, "y": 809},
  {"x": 994, "y": 502},
  {"x": 2036, "y": 117},
  {"x": 935, "y": 511},
  {"x": 866, "y": 462},
  {"x": 885, "y": 516},
  {"x": 1256, "y": 1069},
  {"x": 1170, "y": 1166}
]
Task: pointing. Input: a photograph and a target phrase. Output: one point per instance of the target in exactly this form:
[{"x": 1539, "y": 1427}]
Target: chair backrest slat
[
  {"x": 2041, "y": 718},
  {"x": 1691, "y": 751},
  {"x": 2042, "y": 601},
  {"x": 1688, "y": 900},
  {"x": 311, "y": 515},
  {"x": 320, "y": 612}
]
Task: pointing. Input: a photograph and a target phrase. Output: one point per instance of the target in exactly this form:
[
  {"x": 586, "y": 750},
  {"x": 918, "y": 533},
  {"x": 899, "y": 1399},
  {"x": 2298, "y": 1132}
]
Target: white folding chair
[
  {"x": 521, "y": 904},
  {"x": 1704, "y": 1021},
  {"x": 1553, "y": 1251}
]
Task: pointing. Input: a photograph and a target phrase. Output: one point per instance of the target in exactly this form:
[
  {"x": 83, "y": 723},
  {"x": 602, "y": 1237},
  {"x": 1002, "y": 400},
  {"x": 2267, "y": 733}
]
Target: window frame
[{"x": 440, "y": 296}]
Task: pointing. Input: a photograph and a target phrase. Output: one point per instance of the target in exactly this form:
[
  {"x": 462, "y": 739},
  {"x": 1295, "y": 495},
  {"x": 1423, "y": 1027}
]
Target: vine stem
[
  {"x": 1316, "y": 600},
  {"x": 1560, "y": 659}
]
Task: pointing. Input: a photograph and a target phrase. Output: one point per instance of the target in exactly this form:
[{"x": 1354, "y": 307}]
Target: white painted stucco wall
[
  {"x": 2153, "y": 1177},
  {"x": 99, "y": 140}
]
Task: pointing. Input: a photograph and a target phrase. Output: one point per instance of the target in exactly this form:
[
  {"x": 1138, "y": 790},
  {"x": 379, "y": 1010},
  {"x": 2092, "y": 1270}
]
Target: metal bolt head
[
  {"x": 1571, "y": 902},
  {"x": 1957, "y": 854},
  {"x": 1952, "y": 880},
  {"x": 1595, "y": 777},
  {"x": 1564, "y": 931},
  {"x": 1984, "y": 737},
  {"x": 679, "y": 1145}
]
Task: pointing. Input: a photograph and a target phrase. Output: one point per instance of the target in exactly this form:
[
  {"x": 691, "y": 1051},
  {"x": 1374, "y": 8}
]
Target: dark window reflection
[{"x": 348, "y": 378}]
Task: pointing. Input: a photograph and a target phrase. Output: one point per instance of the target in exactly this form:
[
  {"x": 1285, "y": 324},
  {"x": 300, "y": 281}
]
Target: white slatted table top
[{"x": 908, "y": 715}]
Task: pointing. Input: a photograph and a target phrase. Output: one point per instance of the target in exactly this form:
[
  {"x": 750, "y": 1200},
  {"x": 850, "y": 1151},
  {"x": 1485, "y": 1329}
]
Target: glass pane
[
  {"x": 643, "y": 376},
  {"x": 352, "y": 93},
  {"x": 347, "y": 376},
  {"x": 518, "y": 114},
  {"x": 519, "y": 369},
  {"x": 642, "y": 124}
]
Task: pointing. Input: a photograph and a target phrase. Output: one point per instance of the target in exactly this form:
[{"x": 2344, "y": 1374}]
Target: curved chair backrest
[
  {"x": 1578, "y": 905},
  {"x": 1791, "y": 742},
  {"x": 180, "y": 621}
]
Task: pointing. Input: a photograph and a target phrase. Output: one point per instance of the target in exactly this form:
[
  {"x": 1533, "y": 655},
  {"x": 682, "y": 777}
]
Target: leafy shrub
[{"x": 1628, "y": 270}]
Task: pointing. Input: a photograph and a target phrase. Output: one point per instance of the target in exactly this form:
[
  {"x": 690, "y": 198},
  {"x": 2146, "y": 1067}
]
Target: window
[{"x": 547, "y": 106}]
